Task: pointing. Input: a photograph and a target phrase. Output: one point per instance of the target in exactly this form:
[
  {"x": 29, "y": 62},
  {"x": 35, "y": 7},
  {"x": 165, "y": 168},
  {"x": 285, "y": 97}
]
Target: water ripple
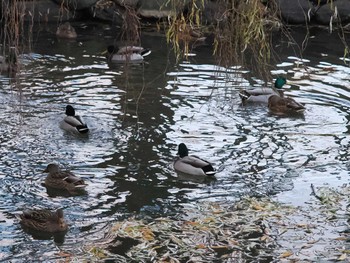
[{"x": 137, "y": 115}]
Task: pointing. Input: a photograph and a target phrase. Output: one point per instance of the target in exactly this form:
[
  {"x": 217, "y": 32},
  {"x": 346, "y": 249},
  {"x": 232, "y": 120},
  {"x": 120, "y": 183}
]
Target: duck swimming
[
  {"x": 63, "y": 180},
  {"x": 66, "y": 31},
  {"x": 73, "y": 123},
  {"x": 263, "y": 94},
  {"x": 126, "y": 54},
  {"x": 44, "y": 220},
  {"x": 283, "y": 106},
  {"x": 192, "y": 165}
]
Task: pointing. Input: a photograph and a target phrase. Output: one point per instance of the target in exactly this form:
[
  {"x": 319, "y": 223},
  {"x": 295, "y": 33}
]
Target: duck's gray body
[
  {"x": 192, "y": 165},
  {"x": 127, "y": 54},
  {"x": 258, "y": 95},
  {"x": 73, "y": 123},
  {"x": 262, "y": 95}
]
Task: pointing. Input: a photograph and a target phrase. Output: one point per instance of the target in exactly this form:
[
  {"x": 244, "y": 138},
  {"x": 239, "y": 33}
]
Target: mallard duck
[
  {"x": 63, "y": 180},
  {"x": 73, "y": 123},
  {"x": 284, "y": 106},
  {"x": 66, "y": 31},
  {"x": 263, "y": 94},
  {"x": 189, "y": 34},
  {"x": 126, "y": 54},
  {"x": 44, "y": 220},
  {"x": 192, "y": 165}
]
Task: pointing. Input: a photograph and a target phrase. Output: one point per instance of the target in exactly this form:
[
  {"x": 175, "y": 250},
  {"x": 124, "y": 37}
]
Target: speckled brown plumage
[
  {"x": 64, "y": 180},
  {"x": 44, "y": 220}
]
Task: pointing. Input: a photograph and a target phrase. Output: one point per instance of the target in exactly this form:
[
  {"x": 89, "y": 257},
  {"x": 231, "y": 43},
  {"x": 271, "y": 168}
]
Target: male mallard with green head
[
  {"x": 63, "y": 180},
  {"x": 284, "y": 106},
  {"x": 126, "y": 54},
  {"x": 73, "y": 123},
  {"x": 44, "y": 220},
  {"x": 192, "y": 165},
  {"x": 263, "y": 94}
]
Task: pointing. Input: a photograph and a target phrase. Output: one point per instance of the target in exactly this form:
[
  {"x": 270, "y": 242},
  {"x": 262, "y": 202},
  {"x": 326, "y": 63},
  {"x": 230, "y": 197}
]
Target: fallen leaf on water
[
  {"x": 200, "y": 246},
  {"x": 286, "y": 254},
  {"x": 313, "y": 241},
  {"x": 191, "y": 223},
  {"x": 306, "y": 246},
  {"x": 219, "y": 247},
  {"x": 257, "y": 207},
  {"x": 264, "y": 238},
  {"x": 218, "y": 212},
  {"x": 64, "y": 254},
  {"x": 176, "y": 240},
  {"x": 342, "y": 257},
  {"x": 147, "y": 234},
  {"x": 302, "y": 225},
  {"x": 234, "y": 242},
  {"x": 341, "y": 238}
]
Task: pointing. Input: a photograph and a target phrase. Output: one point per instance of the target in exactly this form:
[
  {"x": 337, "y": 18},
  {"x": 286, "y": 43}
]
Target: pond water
[{"x": 140, "y": 113}]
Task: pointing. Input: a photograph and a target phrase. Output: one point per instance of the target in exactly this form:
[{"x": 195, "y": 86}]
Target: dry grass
[{"x": 242, "y": 32}]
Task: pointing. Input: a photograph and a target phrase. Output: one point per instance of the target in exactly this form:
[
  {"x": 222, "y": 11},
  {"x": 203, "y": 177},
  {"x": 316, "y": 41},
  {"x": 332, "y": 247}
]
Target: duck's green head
[
  {"x": 280, "y": 81},
  {"x": 70, "y": 111},
  {"x": 182, "y": 151}
]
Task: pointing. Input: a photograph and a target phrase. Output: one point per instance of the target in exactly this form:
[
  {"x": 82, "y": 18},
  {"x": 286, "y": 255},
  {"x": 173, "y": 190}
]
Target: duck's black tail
[
  {"x": 145, "y": 52},
  {"x": 244, "y": 95},
  {"x": 83, "y": 128},
  {"x": 209, "y": 170}
]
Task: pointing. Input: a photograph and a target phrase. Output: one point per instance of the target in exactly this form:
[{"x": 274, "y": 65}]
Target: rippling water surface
[{"x": 139, "y": 114}]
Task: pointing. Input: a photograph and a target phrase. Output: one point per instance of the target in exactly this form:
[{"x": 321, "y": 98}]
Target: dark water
[{"x": 139, "y": 114}]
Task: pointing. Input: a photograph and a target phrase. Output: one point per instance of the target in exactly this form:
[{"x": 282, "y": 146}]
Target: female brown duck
[
  {"x": 284, "y": 106},
  {"x": 63, "y": 180},
  {"x": 44, "y": 220}
]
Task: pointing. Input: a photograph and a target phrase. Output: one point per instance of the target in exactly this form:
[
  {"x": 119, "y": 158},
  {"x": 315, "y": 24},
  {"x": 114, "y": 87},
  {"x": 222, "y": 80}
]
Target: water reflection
[{"x": 138, "y": 114}]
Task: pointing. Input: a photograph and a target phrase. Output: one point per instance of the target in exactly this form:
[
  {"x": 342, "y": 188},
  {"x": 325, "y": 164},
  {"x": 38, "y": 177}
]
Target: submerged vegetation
[{"x": 253, "y": 230}]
